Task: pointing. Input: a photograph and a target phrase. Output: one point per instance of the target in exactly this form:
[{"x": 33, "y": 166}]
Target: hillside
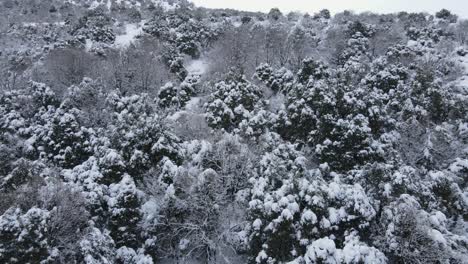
[{"x": 152, "y": 131}]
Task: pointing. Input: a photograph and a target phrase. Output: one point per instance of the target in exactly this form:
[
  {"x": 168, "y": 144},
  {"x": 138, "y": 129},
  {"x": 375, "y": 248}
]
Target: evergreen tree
[
  {"x": 124, "y": 206},
  {"x": 24, "y": 236},
  {"x": 231, "y": 101}
]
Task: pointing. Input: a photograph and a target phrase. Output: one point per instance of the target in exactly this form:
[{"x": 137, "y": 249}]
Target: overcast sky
[{"x": 459, "y": 7}]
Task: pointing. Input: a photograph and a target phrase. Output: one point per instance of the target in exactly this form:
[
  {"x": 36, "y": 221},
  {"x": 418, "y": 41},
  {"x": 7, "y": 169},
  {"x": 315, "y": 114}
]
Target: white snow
[
  {"x": 177, "y": 115},
  {"x": 257, "y": 224},
  {"x": 29, "y": 24},
  {"x": 197, "y": 67},
  {"x": 438, "y": 219},
  {"x": 308, "y": 217},
  {"x": 321, "y": 249},
  {"x": 183, "y": 244},
  {"x": 131, "y": 32},
  {"x": 463, "y": 129},
  {"x": 463, "y": 81},
  {"x": 94, "y": 5},
  {"x": 150, "y": 209},
  {"x": 193, "y": 104},
  {"x": 71, "y": 2},
  {"x": 237, "y": 24},
  {"x": 165, "y": 5},
  {"x": 261, "y": 256},
  {"x": 437, "y": 236},
  {"x": 459, "y": 165},
  {"x": 286, "y": 214},
  {"x": 170, "y": 192},
  {"x": 88, "y": 44}
]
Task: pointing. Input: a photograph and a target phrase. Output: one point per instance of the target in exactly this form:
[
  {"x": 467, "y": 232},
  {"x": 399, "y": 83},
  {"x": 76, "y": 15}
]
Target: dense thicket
[{"x": 139, "y": 132}]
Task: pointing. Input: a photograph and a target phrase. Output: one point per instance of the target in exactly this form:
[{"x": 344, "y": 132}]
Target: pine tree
[
  {"x": 96, "y": 247},
  {"x": 124, "y": 206},
  {"x": 278, "y": 80},
  {"x": 23, "y": 236},
  {"x": 62, "y": 138},
  {"x": 231, "y": 101},
  {"x": 168, "y": 96}
]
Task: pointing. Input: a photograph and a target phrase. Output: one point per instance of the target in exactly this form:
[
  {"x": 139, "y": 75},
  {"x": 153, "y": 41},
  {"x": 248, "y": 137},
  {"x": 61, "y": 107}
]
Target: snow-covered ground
[
  {"x": 131, "y": 32},
  {"x": 88, "y": 45},
  {"x": 34, "y": 24},
  {"x": 193, "y": 107},
  {"x": 198, "y": 67}
]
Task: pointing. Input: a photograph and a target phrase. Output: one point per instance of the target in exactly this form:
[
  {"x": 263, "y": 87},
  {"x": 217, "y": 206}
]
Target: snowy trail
[
  {"x": 198, "y": 67},
  {"x": 131, "y": 32},
  {"x": 194, "y": 67}
]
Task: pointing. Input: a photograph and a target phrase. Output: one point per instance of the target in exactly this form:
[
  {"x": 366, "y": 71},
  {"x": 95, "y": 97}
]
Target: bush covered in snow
[{"x": 155, "y": 131}]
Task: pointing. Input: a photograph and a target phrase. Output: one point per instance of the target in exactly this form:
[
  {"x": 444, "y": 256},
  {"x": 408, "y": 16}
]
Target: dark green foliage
[
  {"x": 232, "y": 100},
  {"x": 62, "y": 139},
  {"x": 446, "y": 15},
  {"x": 124, "y": 206},
  {"x": 280, "y": 80},
  {"x": 325, "y": 13},
  {"x": 312, "y": 69},
  {"x": 150, "y": 141},
  {"x": 23, "y": 236},
  {"x": 275, "y": 14},
  {"x": 94, "y": 25},
  {"x": 168, "y": 96},
  {"x": 358, "y": 27},
  {"x": 386, "y": 77}
]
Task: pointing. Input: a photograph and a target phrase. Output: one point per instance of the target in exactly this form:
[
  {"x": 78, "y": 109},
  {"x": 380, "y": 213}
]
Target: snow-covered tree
[
  {"x": 312, "y": 69},
  {"x": 124, "y": 206},
  {"x": 173, "y": 96},
  {"x": 144, "y": 131},
  {"x": 127, "y": 255},
  {"x": 142, "y": 139},
  {"x": 230, "y": 102},
  {"x": 278, "y": 80},
  {"x": 24, "y": 236},
  {"x": 289, "y": 214},
  {"x": 96, "y": 247},
  {"x": 94, "y": 26},
  {"x": 411, "y": 234},
  {"x": 61, "y": 138},
  {"x": 85, "y": 178},
  {"x": 168, "y": 96}
]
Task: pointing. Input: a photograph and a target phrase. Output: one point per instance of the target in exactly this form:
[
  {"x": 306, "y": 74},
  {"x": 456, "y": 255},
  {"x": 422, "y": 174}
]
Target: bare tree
[{"x": 69, "y": 66}]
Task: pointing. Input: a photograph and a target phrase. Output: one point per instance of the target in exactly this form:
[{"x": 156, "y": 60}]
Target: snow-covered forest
[{"x": 154, "y": 131}]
